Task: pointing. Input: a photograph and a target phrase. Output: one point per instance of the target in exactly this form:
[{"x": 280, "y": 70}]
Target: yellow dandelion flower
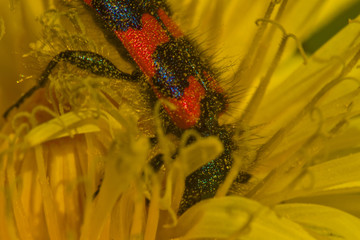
[{"x": 74, "y": 157}]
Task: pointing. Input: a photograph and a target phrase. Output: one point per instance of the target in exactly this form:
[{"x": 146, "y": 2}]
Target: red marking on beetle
[
  {"x": 170, "y": 24},
  {"x": 212, "y": 83},
  {"x": 88, "y": 2},
  {"x": 141, "y": 44},
  {"x": 187, "y": 112}
]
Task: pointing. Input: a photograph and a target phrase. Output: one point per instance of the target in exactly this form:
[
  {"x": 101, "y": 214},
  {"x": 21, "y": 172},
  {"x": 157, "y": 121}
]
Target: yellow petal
[
  {"x": 235, "y": 218},
  {"x": 322, "y": 222}
]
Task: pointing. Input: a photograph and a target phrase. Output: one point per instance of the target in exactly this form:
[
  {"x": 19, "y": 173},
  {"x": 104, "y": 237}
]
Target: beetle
[{"x": 175, "y": 71}]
